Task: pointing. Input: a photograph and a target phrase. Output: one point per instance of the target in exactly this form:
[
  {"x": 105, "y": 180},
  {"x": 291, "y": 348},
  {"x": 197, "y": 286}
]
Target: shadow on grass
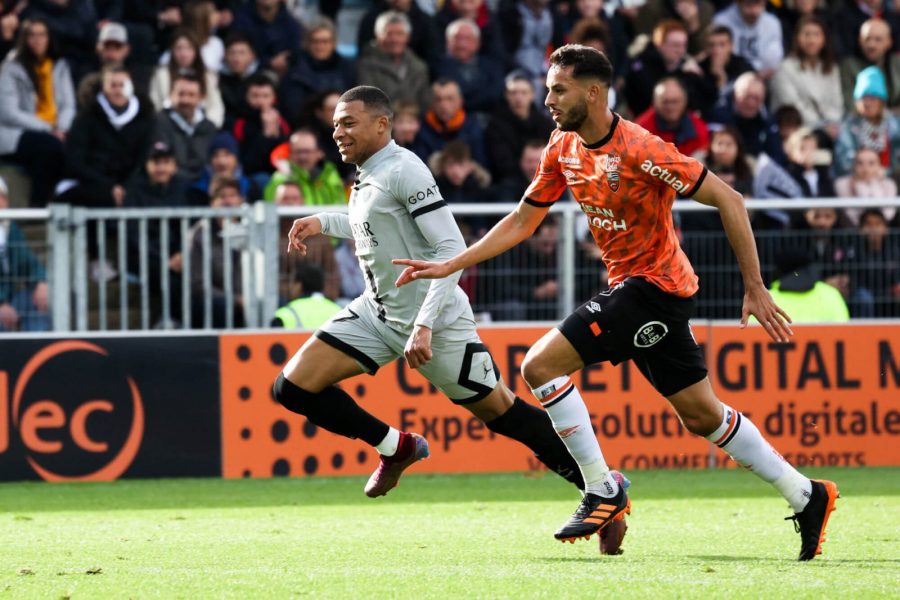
[{"x": 819, "y": 561}]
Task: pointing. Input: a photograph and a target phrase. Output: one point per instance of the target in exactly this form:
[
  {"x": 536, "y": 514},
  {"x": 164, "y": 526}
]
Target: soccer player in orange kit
[{"x": 626, "y": 180}]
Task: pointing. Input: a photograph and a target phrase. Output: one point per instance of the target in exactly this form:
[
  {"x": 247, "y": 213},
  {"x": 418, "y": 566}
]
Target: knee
[
  {"x": 291, "y": 396},
  {"x": 535, "y": 371},
  {"x": 701, "y": 423}
]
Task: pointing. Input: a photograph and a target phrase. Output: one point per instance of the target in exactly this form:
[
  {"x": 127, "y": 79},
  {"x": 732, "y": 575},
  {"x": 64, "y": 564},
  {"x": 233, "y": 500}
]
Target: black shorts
[{"x": 636, "y": 320}]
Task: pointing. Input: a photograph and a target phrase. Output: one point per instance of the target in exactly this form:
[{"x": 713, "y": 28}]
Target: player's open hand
[
  {"x": 418, "y": 347},
  {"x": 759, "y": 303},
  {"x": 300, "y": 230},
  {"x": 420, "y": 269}
]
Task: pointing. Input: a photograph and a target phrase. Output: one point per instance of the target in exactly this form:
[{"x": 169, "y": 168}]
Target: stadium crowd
[{"x": 167, "y": 103}]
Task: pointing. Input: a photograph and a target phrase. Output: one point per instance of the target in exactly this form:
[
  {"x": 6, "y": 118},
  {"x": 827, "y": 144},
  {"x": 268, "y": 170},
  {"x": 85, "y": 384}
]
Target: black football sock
[
  {"x": 331, "y": 409},
  {"x": 531, "y": 426}
]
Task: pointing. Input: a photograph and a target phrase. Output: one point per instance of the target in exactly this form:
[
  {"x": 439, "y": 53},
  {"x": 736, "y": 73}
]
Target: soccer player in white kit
[{"x": 396, "y": 210}]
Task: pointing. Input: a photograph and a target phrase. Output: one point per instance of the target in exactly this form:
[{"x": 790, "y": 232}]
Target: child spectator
[
  {"x": 868, "y": 180},
  {"x": 223, "y": 163},
  {"x": 877, "y": 275},
  {"x": 240, "y": 65},
  {"x": 871, "y": 126}
]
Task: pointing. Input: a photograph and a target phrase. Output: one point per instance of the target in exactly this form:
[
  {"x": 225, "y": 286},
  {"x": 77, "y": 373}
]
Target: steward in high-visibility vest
[
  {"x": 312, "y": 308},
  {"x": 801, "y": 293},
  {"x": 308, "y": 312}
]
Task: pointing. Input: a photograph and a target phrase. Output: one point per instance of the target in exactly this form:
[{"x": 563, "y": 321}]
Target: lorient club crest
[
  {"x": 612, "y": 171},
  {"x": 609, "y": 163}
]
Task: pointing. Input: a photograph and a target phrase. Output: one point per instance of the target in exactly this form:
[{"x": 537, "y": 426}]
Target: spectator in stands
[
  {"x": 666, "y": 57},
  {"x": 531, "y": 30},
  {"x": 809, "y": 79},
  {"x": 727, "y": 160},
  {"x": 73, "y": 26},
  {"x": 791, "y": 11},
  {"x": 447, "y": 121},
  {"x": 721, "y": 66},
  {"x": 512, "y": 188},
  {"x": 317, "y": 115},
  {"x": 201, "y": 19},
  {"x": 107, "y": 142},
  {"x": 870, "y": 126},
  {"x": 771, "y": 180},
  {"x": 875, "y": 44},
  {"x": 757, "y": 34},
  {"x": 388, "y": 63},
  {"x": 612, "y": 33},
  {"x": 319, "y": 252},
  {"x": 695, "y": 15},
  {"x": 461, "y": 180},
  {"x": 808, "y": 164},
  {"x": 223, "y": 163},
  {"x": 800, "y": 291},
  {"x": 185, "y": 57},
  {"x": 831, "y": 249},
  {"x": 316, "y": 68},
  {"x": 788, "y": 119},
  {"x": 670, "y": 119},
  {"x": 747, "y": 113},
  {"x": 262, "y": 129},
  {"x": 184, "y": 127},
  {"x": 240, "y": 65},
  {"x": 150, "y": 24},
  {"x": 112, "y": 50},
  {"x": 528, "y": 276},
  {"x": 24, "y": 301},
  {"x": 226, "y": 193},
  {"x": 867, "y": 180},
  {"x": 319, "y": 179},
  {"x": 275, "y": 35},
  {"x": 850, "y": 17},
  {"x": 515, "y": 121},
  {"x": 480, "y": 77},
  {"x": 490, "y": 34},
  {"x": 157, "y": 184},
  {"x": 37, "y": 107},
  {"x": 311, "y": 308},
  {"x": 422, "y": 33},
  {"x": 878, "y": 258},
  {"x": 9, "y": 26},
  {"x": 407, "y": 123}
]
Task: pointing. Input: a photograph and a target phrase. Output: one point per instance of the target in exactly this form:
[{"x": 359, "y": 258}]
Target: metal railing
[{"x": 203, "y": 268}]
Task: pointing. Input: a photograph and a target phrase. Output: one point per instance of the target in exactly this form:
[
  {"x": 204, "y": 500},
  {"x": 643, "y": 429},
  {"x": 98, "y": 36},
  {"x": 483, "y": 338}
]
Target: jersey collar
[
  {"x": 606, "y": 138},
  {"x": 376, "y": 159}
]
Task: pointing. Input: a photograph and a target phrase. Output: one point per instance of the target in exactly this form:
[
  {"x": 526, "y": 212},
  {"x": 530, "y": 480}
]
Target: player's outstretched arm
[
  {"x": 757, "y": 299},
  {"x": 510, "y": 231},
  {"x": 300, "y": 230}
]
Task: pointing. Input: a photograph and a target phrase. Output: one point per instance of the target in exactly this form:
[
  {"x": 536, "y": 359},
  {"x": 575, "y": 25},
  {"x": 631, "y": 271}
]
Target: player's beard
[{"x": 574, "y": 118}]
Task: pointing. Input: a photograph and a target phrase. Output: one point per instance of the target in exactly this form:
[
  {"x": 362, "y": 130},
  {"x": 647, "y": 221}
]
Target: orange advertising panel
[{"x": 830, "y": 397}]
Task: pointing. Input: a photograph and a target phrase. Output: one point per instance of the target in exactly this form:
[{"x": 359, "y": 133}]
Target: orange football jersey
[{"x": 626, "y": 184}]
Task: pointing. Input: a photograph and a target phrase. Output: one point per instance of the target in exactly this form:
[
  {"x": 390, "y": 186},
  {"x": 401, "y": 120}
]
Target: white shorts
[{"x": 460, "y": 366}]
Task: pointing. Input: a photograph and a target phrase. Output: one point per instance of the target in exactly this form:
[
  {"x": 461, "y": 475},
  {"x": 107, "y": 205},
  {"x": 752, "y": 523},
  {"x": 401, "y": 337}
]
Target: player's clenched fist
[{"x": 300, "y": 230}]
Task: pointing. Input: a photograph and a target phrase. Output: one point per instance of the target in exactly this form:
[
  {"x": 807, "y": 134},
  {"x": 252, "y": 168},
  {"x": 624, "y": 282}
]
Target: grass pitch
[{"x": 692, "y": 534}]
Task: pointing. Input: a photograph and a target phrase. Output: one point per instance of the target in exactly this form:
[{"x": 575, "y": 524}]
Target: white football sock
[
  {"x": 561, "y": 400},
  {"x": 740, "y": 438},
  {"x": 388, "y": 446}
]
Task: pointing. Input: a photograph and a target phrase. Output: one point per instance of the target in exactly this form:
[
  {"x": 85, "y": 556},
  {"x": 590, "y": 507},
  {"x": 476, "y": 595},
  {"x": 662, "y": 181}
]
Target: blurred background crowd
[{"x": 170, "y": 103}]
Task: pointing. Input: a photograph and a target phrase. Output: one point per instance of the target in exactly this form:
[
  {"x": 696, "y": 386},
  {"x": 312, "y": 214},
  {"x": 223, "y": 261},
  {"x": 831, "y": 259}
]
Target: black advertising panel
[{"x": 98, "y": 409}]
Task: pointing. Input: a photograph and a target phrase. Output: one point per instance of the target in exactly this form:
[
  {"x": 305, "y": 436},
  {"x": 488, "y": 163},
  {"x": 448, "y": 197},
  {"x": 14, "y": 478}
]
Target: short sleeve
[
  {"x": 663, "y": 164},
  {"x": 416, "y": 188},
  {"x": 548, "y": 183}
]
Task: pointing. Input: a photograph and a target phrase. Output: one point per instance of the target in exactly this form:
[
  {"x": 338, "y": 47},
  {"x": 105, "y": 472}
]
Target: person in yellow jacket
[
  {"x": 311, "y": 309},
  {"x": 800, "y": 291}
]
